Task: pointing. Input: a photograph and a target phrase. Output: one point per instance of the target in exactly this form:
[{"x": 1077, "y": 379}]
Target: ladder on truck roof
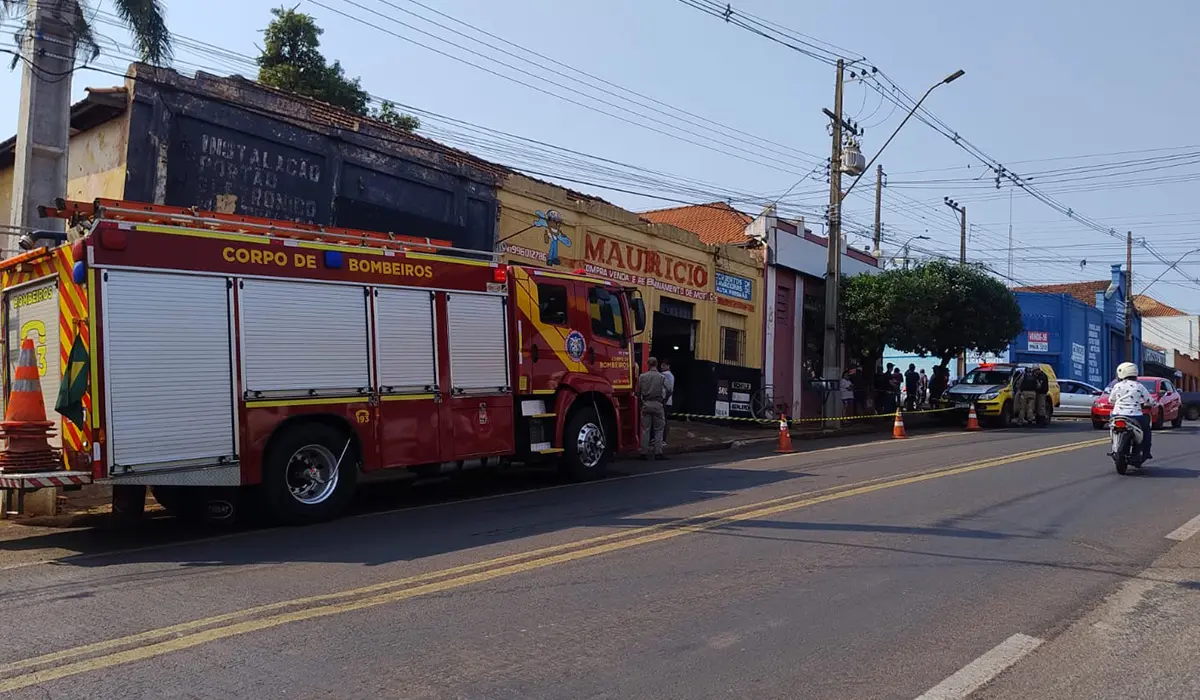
[{"x": 85, "y": 214}]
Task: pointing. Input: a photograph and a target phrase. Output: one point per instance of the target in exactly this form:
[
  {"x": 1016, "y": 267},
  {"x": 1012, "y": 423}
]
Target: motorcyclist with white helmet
[{"x": 1129, "y": 399}]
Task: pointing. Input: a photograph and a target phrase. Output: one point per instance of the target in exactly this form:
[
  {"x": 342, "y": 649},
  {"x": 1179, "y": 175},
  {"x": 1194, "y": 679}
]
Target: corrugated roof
[
  {"x": 714, "y": 223},
  {"x": 1083, "y": 291}
]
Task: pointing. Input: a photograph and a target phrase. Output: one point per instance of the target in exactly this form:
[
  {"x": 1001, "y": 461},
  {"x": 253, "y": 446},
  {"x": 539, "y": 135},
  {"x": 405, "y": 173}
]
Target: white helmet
[{"x": 1127, "y": 370}]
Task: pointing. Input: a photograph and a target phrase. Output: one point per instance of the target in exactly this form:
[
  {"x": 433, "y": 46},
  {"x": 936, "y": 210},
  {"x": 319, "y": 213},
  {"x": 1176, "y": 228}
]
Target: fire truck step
[
  {"x": 543, "y": 415},
  {"x": 550, "y": 451}
]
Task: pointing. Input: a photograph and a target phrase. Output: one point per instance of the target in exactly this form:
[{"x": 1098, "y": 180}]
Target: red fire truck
[{"x": 227, "y": 352}]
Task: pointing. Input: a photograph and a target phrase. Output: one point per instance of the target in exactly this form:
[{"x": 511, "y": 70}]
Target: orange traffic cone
[
  {"x": 25, "y": 426},
  {"x": 972, "y": 419},
  {"x": 898, "y": 427},
  {"x": 785, "y": 437}
]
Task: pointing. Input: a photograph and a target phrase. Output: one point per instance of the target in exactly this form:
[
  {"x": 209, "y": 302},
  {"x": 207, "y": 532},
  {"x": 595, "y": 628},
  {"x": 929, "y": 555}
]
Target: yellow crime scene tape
[{"x": 794, "y": 421}]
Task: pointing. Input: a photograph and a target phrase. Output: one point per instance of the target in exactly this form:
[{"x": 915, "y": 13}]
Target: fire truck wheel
[
  {"x": 303, "y": 480},
  {"x": 185, "y": 503},
  {"x": 585, "y": 446}
]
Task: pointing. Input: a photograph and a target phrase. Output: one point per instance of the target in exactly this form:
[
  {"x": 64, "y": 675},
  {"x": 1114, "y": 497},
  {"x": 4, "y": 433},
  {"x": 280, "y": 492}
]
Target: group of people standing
[
  {"x": 1031, "y": 392},
  {"x": 655, "y": 392}
]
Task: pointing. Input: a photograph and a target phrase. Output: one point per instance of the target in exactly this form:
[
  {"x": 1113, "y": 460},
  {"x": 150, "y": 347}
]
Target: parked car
[
  {"x": 1077, "y": 398},
  {"x": 1191, "y": 404},
  {"x": 989, "y": 387},
  {"x": 1169, "y": 405}
]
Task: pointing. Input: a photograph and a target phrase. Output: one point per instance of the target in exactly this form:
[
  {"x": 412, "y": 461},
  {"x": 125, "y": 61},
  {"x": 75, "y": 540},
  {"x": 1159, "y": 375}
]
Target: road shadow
[{"x": 397, "y": 522}]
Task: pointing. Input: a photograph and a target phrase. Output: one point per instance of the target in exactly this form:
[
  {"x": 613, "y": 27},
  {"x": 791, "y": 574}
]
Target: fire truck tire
[
  {"x": 183, "y": 502},
  {"x": 586, "y": 449},
  {"x": 303, "y": 481}
]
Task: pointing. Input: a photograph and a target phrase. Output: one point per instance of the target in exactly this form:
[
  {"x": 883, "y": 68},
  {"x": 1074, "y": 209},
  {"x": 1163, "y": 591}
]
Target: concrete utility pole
[
  {"x": 1129, "y": 296},
  {"x": 44, "y": 117},
  {"x": 878, "y": 205},
  {"x": 832, "y": 356},
  {"x": 962, "y": 259}
]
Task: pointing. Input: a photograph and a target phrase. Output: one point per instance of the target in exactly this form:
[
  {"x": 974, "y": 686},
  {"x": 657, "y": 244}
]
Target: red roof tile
[
  {"x": 713, "y": 223},
  {"x": 1151, "y": 307},
  {"x": 1083, "y": 291}
]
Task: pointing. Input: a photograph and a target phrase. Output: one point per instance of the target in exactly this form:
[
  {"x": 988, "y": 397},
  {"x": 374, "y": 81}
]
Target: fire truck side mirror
[{"x": 639, "y": 313}]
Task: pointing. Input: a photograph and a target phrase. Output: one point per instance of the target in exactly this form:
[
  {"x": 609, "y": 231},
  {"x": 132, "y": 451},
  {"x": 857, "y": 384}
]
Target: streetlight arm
[
  {"x": 1170, "y": 267},
  {"x": 949, "y": 79}
]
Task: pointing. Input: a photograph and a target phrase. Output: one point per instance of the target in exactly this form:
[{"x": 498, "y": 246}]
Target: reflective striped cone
[
  {"x": 898, "y": 427},
  {"x": 972, "y": 419},
  {"x": 25, "y": 426},
  {"x": 785, "y": 437}
]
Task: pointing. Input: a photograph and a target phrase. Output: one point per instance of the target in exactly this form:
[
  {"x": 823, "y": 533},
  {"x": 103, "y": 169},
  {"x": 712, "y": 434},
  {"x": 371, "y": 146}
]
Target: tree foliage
[
  {"x": 937, "y": 309},
  {"x": 291, "y": 60},
  {"x": 146, "y": 20}
]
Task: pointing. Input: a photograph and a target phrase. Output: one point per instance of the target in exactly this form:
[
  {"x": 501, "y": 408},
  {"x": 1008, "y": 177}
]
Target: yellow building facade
[{"x": 703, "y": 302}]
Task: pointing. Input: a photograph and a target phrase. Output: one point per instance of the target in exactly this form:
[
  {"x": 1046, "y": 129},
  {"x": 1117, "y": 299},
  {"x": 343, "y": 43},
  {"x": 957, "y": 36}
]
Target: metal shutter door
[
  {"x": 303, "y": 338},
  {"x": 33, "y": 313},
  {"x": 404, "y": 340},
  {"x": 168, "y": 369},
  {"x": 478, "y": 342}
]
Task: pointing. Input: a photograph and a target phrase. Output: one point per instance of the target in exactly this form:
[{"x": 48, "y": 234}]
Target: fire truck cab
[{"x": 229, "y": 352}]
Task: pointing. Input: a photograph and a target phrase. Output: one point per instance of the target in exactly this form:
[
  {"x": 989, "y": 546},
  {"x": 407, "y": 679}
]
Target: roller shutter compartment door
[
  {"x": 478, "y": 325},
  {"x": 168, "y": 370},
  {"x": 33, "y": 312},
  {"x": 404, "y": 341},
  {"x": 304, "y": 339}
]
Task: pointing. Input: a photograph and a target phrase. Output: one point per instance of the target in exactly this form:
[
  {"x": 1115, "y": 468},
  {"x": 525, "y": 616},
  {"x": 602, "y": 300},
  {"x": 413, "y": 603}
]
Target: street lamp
[
  {"x": 832, "y": 356},
  {"x": 906, "y": 244},
  {"x": 944, "y": 81},
  {"x": 1170, "y": 267}
]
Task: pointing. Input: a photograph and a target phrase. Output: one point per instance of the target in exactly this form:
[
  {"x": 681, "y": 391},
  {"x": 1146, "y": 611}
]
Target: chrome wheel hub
[{"x": 312, "y": 474}]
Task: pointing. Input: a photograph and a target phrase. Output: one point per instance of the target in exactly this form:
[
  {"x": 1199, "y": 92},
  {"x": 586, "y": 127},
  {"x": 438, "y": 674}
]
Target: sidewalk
[
  {"x": 695, "y": 436},
  {"x": 1143, "y": 641}
]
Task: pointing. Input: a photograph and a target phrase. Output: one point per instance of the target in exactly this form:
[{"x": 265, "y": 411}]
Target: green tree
[
  {"x": 936, "y": 309},
  {"x": 405, "y": 122},
  {"x": 291, "y": 60},
  {"x": 145, "y": 19}
]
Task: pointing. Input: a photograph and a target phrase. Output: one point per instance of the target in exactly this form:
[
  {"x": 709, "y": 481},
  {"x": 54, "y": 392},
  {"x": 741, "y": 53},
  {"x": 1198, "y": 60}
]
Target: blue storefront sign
[{"x": 734, "y": 286}]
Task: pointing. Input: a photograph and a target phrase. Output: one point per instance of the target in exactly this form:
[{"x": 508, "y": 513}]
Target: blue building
[{"x": 1077, "y": 328}]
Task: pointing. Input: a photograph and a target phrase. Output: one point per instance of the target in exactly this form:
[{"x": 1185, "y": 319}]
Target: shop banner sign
[
  {"x": 1039, "y": 341},
  {"x": 734, "y": 286}
]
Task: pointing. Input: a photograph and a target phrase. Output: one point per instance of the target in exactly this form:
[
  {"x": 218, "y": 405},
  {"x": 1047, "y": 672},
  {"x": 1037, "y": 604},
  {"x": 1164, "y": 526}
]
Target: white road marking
[
  {"x": 976, "y": 674},
  {"x": 1186, "y": 530}
]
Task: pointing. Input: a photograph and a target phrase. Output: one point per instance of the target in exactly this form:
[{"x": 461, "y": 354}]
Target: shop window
[
  {"x": 605, "y": 310},
  {"x": 733, "y": 346},
  {"x": 733, "y": 337},
  {"x": 552, "y": 304}
]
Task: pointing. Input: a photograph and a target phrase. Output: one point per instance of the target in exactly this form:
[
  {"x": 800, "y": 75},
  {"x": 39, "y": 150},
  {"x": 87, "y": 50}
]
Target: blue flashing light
[{"x": 79, "y": 272}]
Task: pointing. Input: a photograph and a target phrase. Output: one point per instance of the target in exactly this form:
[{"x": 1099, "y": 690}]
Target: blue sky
[{"x": 1043, "y": 81}]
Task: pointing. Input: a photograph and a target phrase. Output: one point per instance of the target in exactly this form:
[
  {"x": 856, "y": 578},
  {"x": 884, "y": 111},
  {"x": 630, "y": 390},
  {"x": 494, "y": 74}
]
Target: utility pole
[
  {"x": 43, "y": 121},
  {"x": 878, "y": 205},
  {"x": 962, "y": 259},
  {"x": 832, "y": 356},
  {"x": 1129, "y": 296}
]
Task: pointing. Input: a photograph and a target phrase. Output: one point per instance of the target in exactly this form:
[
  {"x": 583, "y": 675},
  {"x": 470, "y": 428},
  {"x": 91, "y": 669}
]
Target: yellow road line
[{"x": 458, "y": 577}]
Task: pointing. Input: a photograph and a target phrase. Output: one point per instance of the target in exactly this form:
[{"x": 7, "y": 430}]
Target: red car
[{"x": 1168, "y": 408}]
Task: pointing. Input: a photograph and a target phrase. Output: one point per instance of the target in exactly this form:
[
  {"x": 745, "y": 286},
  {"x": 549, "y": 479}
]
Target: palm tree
[
  {"x": 55, "y": 33},
  {"x": 145, "y": 18}
]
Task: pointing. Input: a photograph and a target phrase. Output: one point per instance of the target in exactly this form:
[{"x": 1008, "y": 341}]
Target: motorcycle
[{"x": 1125, "y": 438}]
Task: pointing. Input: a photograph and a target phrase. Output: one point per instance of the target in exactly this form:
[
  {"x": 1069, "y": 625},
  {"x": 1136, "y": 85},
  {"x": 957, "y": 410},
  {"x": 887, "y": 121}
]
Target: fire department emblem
[{"x": 575, "y": 345}]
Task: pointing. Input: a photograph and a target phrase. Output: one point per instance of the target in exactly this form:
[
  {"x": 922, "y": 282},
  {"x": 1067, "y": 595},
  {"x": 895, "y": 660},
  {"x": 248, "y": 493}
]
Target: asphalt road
[{"x": 860, "y": 571}]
